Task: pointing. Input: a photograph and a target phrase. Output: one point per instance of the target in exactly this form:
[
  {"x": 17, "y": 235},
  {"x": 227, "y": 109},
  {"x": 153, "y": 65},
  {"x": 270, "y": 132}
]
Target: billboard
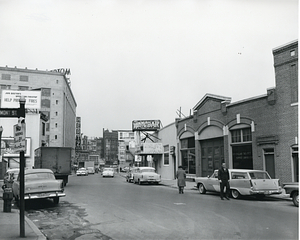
[
  {"x": 146, "y": 125},
  {"x": 8, "y": 147},
  {"x": 10, "y": 99}
]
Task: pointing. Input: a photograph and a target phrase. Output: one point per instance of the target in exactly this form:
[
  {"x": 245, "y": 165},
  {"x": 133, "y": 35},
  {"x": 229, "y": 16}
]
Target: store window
[
  {"x": 188, "y": 155},
  {"x": 5, "y": 76},
  {"x": 24, "y": 78}
]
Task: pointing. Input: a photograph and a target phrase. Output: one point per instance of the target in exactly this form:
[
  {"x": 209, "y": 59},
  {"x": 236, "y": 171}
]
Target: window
[
  {"x": 23, "y": 87},
  {"x": 24, "y": 78},
  {"x": 56, "y": 113},
  {"x": 55, "y": 136},
  {"x": 241, "y": 135},
  {"x": 293, "y": 53},
  {"x": 56, "y": 125},
  {"x": 43, "y": 129},
  {"x": 5, "y": 76},
  {"x": 166, "y": 155},
  {"x": 46, "y": 92},
  {"x": 5, "y": 86},
  {"x": 56, "y": 102}
]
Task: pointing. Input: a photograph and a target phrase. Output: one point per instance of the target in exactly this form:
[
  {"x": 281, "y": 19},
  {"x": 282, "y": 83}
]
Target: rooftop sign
[{"x": 145, "y": 125}]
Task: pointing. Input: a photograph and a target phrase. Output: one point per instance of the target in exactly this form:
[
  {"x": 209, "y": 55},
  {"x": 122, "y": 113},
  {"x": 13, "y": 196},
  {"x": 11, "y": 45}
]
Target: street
[{"x": 110, "y": 208}]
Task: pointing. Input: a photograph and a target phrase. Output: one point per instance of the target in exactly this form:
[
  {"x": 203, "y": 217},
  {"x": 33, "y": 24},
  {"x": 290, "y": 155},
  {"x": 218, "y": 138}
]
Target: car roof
[{"x": 38, "y": 170}]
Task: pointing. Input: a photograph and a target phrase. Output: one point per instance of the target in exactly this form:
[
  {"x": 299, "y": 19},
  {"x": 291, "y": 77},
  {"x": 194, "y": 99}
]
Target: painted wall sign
[{"x": 145, "y": 125}]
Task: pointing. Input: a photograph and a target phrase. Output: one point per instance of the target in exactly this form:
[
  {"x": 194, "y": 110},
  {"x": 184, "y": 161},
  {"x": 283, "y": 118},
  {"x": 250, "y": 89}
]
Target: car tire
[
  {"x": 235, "y": 194},
  {"x": 56, "y": 200},
  {"x": 296, "y": 199},
  {"x": 201, "y": 189}
]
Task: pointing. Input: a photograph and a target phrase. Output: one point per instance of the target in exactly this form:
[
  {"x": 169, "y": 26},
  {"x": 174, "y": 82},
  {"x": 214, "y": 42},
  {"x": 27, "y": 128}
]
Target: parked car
[
  {"x": 39, "y": 184},
  {"x": 10, "y": 176},
  {"x": 108, "y": 172},
  {"x": 82, "y": 172},
  {"x": 91, "y": 170},
  {"x": 293, "y": 190},
  {"x": 146, "y": 175},
  {"x": 129, "y": 175},
  {"x": 242, "y": 182}
]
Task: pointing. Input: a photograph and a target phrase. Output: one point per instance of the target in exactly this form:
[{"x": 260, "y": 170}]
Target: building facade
[
  {"x": 256, "y": 133},
  {"x": 57, "y": 100}
]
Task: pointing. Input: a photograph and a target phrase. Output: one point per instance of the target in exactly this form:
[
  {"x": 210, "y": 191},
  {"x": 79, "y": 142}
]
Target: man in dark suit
[{"x": 223, "y": 177}]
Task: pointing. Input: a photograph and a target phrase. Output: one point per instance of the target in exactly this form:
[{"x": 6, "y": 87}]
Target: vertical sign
[{"x": 20, "y": 137}]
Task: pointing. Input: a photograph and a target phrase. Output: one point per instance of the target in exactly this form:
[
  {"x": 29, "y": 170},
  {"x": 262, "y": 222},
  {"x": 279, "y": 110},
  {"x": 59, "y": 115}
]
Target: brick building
[{"x": 256, "y": 133}]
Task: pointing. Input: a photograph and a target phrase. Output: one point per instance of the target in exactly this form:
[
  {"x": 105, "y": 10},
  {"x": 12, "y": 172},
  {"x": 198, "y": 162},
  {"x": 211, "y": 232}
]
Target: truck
[{"x": 58, "y": 159}]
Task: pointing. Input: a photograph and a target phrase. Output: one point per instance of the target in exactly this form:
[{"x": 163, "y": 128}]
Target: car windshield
[
  {"x": 82, "y": 169},
  {"x": 108, "y": 169},
  {"x": 38, "y": 176},
  {"x": 259, "y": 175},
  {"x": 148, "y": 170}
]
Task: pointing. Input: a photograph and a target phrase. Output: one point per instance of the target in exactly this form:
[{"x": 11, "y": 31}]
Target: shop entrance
[{"x": 212, "y": 155}]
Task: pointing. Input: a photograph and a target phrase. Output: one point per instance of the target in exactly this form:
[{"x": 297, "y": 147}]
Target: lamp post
[
  {"x": 22, "y": 172},
  {"x": 3, "y": 164}
]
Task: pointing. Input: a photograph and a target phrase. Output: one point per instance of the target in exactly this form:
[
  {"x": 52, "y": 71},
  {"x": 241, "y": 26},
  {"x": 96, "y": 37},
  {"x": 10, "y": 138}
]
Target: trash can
[{"x": 7, "y": 198}]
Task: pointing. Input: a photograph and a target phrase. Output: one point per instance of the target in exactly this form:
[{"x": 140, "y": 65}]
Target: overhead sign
[
  {"x": 65, "y": 71},
  {"x": 20, "y": 137},
  {"x": 10, "y": 99},
  {"x": 8, "y": 112},
  {"x": 145, "y": 125}
]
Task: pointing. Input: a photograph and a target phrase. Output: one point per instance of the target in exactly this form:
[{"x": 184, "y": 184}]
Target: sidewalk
[{"x": 10, "y": 224}]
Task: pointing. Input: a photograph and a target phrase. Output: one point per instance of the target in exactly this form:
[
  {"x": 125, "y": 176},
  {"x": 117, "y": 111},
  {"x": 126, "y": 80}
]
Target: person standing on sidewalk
[
  {"x": 180, "y": 175},
  {"x": 223, "y": 177}
]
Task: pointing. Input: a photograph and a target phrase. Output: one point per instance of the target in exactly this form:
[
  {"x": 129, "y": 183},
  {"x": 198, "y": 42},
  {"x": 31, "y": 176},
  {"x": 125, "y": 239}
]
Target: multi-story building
[
  {"x": 57, "y": 100},
  {"x": 110, "y": 148},
  {"x": 256, "y": 133},
  {"x": 125, "y": 151}
]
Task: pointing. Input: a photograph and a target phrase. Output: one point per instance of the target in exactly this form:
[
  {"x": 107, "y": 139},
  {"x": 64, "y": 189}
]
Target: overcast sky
[{"x": 144, "y": 59}]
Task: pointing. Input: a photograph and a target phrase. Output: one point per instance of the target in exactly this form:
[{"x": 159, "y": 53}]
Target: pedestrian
[
  {"x": 223, "y": 177},
  {"x": 181, "y": 179}
]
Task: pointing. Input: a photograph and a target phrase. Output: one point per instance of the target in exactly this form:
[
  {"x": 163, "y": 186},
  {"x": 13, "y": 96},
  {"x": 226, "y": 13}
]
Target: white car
[
  {"x": 146, "y": 175},
  {"x": 82, "y": 172},
  {"x": 39, "y": 184},
  {"x": 108, "y": 172},
  {"x": 90, "y": 170},
  {"x": 242, "y": 182}
]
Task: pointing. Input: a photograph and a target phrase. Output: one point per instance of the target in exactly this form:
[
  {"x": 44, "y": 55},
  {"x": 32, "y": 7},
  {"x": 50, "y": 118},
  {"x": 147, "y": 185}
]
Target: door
[{"x": 270, "y": 162}]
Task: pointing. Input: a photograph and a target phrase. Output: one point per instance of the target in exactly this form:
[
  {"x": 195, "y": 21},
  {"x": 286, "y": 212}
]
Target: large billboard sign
[
  {"x": 146, "y": 125},
  {"x": 10, "y": 99},
  {"x": 152, "y": 148}
]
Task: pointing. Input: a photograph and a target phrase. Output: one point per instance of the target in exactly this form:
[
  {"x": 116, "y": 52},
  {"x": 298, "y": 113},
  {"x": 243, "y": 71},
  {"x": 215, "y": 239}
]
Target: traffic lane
[{"x": 157, "y": 211}]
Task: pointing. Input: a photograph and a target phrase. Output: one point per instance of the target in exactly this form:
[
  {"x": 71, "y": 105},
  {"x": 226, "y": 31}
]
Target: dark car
[{"x": 293, "y": 190}]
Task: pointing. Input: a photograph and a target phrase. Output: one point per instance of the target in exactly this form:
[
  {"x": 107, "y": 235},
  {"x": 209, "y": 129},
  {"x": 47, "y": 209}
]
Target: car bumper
[
  {"x": 265, "y": 192},
  {"x": 150, "y": 180},
  {"x": 44, "y": 195}
]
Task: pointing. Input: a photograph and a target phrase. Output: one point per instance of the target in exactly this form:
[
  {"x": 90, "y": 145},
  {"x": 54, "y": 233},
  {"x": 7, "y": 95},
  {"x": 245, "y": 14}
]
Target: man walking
[
  {"x": 223, "y": 177},
  {"x": 181, "y": 179}
]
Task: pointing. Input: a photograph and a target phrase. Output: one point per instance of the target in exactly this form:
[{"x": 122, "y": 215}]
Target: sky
[{"x": 146, "y": 59}]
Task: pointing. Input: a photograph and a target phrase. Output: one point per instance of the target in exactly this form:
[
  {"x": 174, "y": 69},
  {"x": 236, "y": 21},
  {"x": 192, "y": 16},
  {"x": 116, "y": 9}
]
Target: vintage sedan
[
  {"x": 293, "y": 190},
  {"x": 82, "y": 172},
  {"x": 146, "y": 175},
  {"x": 39, "y": 184},
  {"x": 242, "y": 182},
  {"x": 108, "y": 172}
]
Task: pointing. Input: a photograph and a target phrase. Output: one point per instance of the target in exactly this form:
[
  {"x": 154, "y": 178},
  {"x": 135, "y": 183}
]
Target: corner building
[
  {"x": 256, "y": 133},
  {"x": 57, "y": 101}
]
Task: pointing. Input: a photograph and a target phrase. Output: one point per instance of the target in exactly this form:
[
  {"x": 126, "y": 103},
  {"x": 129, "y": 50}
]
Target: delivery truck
[{"x": 58, "y": 159}]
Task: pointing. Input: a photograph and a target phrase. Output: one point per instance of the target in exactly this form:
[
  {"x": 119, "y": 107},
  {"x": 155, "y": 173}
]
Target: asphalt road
[{"x": 110, "y": 208}]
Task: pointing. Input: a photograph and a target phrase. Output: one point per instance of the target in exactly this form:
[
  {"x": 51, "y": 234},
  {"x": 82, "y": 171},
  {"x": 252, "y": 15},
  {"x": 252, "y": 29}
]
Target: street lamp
[{"x": 3, "y": 165}]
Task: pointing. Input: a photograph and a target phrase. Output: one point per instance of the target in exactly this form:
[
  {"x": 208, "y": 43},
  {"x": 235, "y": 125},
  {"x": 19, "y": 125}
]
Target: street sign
[
  {"x": 8, "y": 112},
  {"x": 20, "y": 137}
]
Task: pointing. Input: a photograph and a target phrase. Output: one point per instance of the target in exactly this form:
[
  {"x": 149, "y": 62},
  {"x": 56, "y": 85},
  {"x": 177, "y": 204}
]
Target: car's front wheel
[
  {"x": 235, "y": 194},
  {"x": 201, "y": 189},
  {"x": 296, "y": 199}
]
